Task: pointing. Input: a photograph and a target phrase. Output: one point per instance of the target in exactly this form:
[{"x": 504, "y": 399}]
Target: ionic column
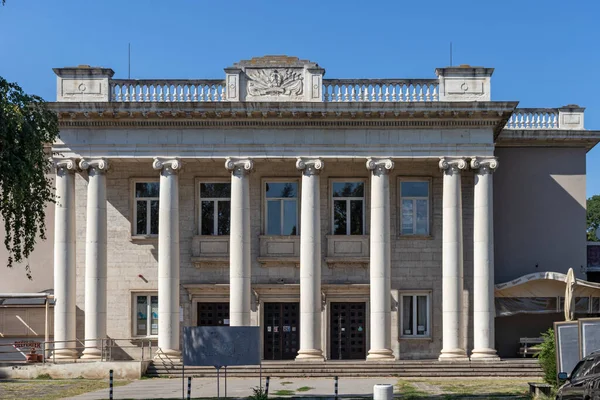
[
  {"x": 240, "y": 272},
  {"x": 64, "y": 260},
  {"x": 483, "y": 260},
  {"x": 380, "y": 261},
  {"x": 95, "y": 258},
  {"x": 452, "y": 260},
  {"x": 168, "y": 258},
  {"x": 310, "y": 261}
]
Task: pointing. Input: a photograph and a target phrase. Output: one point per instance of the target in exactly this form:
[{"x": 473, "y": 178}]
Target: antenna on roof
[
  {"x": 450, "y": 53},
  {"x": 129, "y": 62}
]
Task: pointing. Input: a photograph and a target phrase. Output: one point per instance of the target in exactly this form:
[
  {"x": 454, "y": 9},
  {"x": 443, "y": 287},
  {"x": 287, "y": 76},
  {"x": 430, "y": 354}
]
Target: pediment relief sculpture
[{"x": 275, "y": 82}]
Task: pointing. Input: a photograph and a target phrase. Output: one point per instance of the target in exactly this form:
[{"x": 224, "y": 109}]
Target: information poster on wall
[{"x": 568, "y": 349}]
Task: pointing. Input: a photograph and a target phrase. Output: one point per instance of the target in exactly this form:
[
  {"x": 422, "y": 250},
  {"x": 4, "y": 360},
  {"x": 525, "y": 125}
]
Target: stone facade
[{"x": 274, "y": 118}]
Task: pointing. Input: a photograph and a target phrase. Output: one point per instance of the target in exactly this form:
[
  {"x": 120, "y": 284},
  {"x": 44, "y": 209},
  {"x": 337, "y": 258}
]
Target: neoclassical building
[{"x": 348, "y": 218}]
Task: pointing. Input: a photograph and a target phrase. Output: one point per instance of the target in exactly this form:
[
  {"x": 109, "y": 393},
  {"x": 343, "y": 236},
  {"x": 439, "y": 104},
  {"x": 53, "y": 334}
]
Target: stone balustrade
[
  {"x": 534, "y": 118},
  {"x": 168, "y": 90},
  {"x": 379, "y": 90}
]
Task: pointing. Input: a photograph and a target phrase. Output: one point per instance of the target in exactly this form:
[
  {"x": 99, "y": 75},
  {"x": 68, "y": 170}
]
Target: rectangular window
[
  {"x": 146, "y": 320},
  {"x": 215, "y": 202},
  {"x": 145, "y": 210},
  {"x": 415, "y": 319},
  {"x": 348, "y": 208},
  {"x": 414, "y": 207},
  {"x": 281, "y": 211}
]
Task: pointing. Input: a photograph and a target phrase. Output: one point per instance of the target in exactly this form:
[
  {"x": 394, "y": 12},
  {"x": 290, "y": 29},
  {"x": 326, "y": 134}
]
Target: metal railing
[{"x": 111, "y": 349}]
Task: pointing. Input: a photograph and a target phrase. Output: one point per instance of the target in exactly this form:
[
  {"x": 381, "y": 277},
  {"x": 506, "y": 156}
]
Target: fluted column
[
  {"x": 452, "y": 260},
  {"x": 240, "y": 272},
  {"x": 95, "y": 258},
  {"x": 483, "y": 260},
  {"x": 168, "y": 258},
  {"x": 380, "y": 261},
  {"x": 310, "y": 261},
  {"x": 64, "y": 260}
]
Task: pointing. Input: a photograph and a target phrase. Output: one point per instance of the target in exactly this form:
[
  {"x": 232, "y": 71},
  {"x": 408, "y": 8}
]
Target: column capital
[
  {"x": 100, "y": 165},
  {"x": 310, "y": 166},
  {"x": 65, "y": 164},
  {"x": 484, "y": 165},
  {"x": 452, "y": 165},
  {"x": 239, "y": 166},
  {"x": 170, "y": 165},
  {"x": 380, "y": 165}
]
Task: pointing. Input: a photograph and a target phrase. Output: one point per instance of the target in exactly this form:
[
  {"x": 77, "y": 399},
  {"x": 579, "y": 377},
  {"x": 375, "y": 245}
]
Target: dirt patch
[{"x": 51, "y": 389}]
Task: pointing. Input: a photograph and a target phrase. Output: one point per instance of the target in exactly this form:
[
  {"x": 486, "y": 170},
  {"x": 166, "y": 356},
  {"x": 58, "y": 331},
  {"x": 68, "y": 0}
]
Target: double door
[
  {"x": 213, "y": 314},
  {"x": 347, "y": 331},
  {"x": 281, "y": 328}
]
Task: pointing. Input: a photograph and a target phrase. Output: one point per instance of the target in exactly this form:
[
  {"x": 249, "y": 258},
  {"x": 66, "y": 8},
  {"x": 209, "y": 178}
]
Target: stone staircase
[{"x": 404, "y": 368}]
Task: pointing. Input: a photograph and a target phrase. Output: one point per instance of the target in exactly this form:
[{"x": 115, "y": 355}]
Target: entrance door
[
  {"x": 213, "y": 314},
  {"x": 347, "y": 327},
  {"x": 281, "y": 326}
]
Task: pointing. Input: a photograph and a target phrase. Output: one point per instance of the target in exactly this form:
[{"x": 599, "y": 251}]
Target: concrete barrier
[{"x": 88, "y": 370}]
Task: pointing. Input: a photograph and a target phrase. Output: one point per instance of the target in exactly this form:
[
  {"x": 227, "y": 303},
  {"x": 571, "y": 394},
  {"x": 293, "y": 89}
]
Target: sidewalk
[{"x": 160, "y": 388}]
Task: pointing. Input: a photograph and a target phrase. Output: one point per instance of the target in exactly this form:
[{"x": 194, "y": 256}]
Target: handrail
[{"x": 534, "y": 118}]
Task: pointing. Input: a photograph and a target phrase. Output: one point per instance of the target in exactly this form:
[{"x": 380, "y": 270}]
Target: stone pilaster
[
  {"x": 310, "y": 261},
  {"x": 483, "y": 260},
  {"x": 452, "y": 260},
  {"x": 95, "y": 257},
  {"x": 168, "y": 258},
  {"x": 240, "y": 272},
  {"x": 64, "y": 261},
  {"x": 380, "y": 263}
]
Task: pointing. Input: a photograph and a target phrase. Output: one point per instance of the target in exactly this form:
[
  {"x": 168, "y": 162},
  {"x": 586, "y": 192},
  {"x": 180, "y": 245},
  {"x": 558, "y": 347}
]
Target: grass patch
[
  {"x": 460, "y": 388},
  {"x": 51, "y": 389},
  {"x": 43, "y": 377},
  {"x": 304, "y": 389},
  {"x": 284, "y": 392},
  {"x": 286, "y": 383},
  {"x": 409, "y": 391}
]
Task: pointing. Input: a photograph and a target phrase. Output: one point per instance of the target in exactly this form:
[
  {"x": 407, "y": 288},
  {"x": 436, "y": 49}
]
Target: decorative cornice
[
  {"x": 239, "y": 166},
  {"x": 65, "y": 164},
  {"x": 452, "y": 165},
  {"x": 484, "y": 165},
  {"x": 100, "y": 165},
  {"x": 380, "y": 165},
  {"x": 310, "y": 166},
  {"x": 169, "y": 165}
]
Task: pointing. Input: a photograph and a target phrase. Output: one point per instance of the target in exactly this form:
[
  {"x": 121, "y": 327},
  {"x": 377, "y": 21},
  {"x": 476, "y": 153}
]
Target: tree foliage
[
  {"x": 593, "y": 217},
  {"x": 547, "y": 357},
  {"x": 27, "y": 127}
]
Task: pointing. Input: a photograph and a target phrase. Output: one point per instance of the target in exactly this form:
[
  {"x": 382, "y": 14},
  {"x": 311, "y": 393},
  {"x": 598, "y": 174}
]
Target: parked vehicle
[{"x": 584, "y": 382}]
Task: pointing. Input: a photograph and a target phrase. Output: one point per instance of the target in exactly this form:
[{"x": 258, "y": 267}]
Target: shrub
[
  {"x": 547, "y": 357},
  {"x": 258, "y": 394}
]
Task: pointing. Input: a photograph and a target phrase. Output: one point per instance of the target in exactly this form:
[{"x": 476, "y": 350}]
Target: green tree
[
  {"x": 27, "y": 129},
  {"x": 593, "y": 217}
]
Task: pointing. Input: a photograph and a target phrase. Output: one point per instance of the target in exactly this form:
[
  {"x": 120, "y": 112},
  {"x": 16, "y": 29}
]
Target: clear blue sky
[{"x": 546, "y": 53}]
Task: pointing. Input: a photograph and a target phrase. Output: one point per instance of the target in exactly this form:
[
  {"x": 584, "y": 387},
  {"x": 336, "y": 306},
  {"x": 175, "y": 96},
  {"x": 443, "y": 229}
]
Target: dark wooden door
[
  {"x": 348, "y": 331},
  {"x": 281, "y": 327},
  {"x": 213, "y": 314}
]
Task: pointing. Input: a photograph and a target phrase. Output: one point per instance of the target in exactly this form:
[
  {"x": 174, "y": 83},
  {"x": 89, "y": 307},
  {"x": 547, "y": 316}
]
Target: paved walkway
[{"x": 161, "y": 388}]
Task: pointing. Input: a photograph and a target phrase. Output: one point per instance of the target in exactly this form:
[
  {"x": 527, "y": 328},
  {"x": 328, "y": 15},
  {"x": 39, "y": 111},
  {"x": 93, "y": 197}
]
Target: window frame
[
  {"x": 348, "y": 199},
  {"x": 265, "y": 200},
  {"x": 148, "y": 200},
  {"x": 429, "y": 181},
  {"x": 414, "y": 294},
  {"x": 215, "y": 200},
  {"x": 134, "y": 330}
]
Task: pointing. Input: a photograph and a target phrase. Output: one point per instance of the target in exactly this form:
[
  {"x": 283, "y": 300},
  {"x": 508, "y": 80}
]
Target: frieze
[{"x": 275, "y": 83}]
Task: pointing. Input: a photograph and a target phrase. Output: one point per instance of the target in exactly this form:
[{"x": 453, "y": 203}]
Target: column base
[
  {"x": 64, "y": 355},
  {"x": 168, "y": 356},
  {"x": 456, "y": 355},
  {"x": 312, "y": 355},
  {"x": 381, "y": 355},
  {"x": 91, "y": 353},
  {"x": 484, "y": 355}
]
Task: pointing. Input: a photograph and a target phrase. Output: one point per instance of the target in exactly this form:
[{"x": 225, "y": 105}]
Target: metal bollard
[
  {"x": 383, "y": 392},
  {"x": 267, "y": 386},
  {"x": 336, "y": 386},
  {"x": 189, "y": 392},
  {"x": 110, "y": 387}
]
